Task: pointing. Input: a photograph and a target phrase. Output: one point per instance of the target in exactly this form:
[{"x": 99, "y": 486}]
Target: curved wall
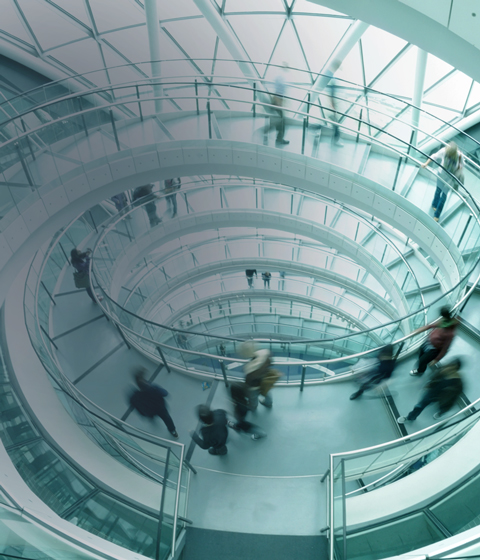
[{"x": 48, "y": 208}]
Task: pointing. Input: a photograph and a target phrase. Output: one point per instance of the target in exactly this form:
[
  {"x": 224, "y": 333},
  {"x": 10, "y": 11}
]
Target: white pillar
[
  {"x": 153, "y": 32},
  {"x": 418, "y": 87}
]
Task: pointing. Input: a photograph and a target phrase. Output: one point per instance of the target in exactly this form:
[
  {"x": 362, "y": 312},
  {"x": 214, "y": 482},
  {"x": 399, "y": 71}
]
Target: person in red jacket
[{"x": 438, "y": 342}]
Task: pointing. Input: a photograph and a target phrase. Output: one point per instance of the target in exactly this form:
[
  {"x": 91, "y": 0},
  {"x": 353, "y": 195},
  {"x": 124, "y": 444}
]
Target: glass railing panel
[
  {"x": 118, "y": 523},
  {"x": 391, "y": 539},
  {"x": 14, "y": 424},
  {"x": 458, "y": 511},
  {"x": 21, "y": 538},
  {"x": 49, "y": 476}
]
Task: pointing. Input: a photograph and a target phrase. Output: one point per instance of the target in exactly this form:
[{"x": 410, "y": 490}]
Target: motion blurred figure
[
  {"x": 171, "y": 186},
  {"x": 382, "y": 371},
  {"x": 149, "y": 400},
  {"x": 214, "y": 433},
  {"x": 444, "y": 388},
  {"x": 120, "y": 200},
  {"x": 332, "y": 92},
  {"x": 452, "y": 162},
  {"x": 278, "y": 99},
  {"x": 249, "y": 274},
  {"x": 260, "y": 377},
  {"x": 81, "y": 263},
  {"x": 240, "y": 398},
  {"x": 145, "y": 194},
  {"x": 439, "y": 340}
]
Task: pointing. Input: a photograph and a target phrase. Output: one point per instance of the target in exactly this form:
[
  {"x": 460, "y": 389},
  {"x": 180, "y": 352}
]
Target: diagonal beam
[
  {"x": 346, "y": 44},
  {"x": 232, "y": 44}
]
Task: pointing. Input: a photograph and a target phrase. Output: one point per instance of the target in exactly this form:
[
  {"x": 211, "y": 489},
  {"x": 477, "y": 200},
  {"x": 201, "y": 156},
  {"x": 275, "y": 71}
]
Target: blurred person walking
[
  {"x": 452, "y": 162},
  {"x": 382, "y": 371},
  {"x": 240, "y": 398},
  {"x": 260, "y": 377},
  {"x": 120, "y": 200},
  {"x": 171, "y": 186},
  {"x": 249, "y": 274},
  {"x": 278, "y": 101},
  {"x": 149, "y": 400},
  {"x": 81, "y": 263},
  {"x": 438, "y": 342},
  {"x": 145, "y": 194},
  {"x": 444, "y": 388},
  {"x": 332, "y": 92},
  {"x": 214, "y": 433}
]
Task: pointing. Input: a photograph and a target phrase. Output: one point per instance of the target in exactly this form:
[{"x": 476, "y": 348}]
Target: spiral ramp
[{"x": 364, "y": 264}]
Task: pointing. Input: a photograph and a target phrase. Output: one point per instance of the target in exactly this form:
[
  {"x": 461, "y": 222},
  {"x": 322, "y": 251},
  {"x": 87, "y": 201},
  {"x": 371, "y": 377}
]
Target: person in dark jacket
[
  {"x": 145, "y": 194},
  {"x": 444, "y": 388},
  {"x": 149, "y": 401},
  {"x": 383, "y": 370},
  {"x": 81, "y": 263},
  {"x": 438, "y": 343},
  {"x": 249, "y": 274},
  {"x": 240, "y": 397},
  {"x": 214, "y": 432}
]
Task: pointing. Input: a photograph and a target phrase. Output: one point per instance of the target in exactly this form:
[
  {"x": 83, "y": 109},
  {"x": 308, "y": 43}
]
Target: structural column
[
  {"x": 153, "y": 31},
  {"x": 418, "y": 87}
]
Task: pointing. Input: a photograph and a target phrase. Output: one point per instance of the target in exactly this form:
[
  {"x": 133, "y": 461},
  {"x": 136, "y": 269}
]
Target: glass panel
[
  {"x": 398, "y": 537},
  {"x": 49, "y": 476},
  {"x": 459, "y": 510}
]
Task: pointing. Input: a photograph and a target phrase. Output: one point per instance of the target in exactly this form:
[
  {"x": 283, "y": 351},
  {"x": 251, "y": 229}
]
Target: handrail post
[
  {"x": 84, "y": 122},
  {"x": 196, "y": 96},
  {"x": 28, "y": 139},
  {"x": 24, "y": 165},
  {"x": 224, "y": 372},
  {"x": 359, "y": 125},
  {"x": 48, "y": 336},
  {"x": 308, "y": 108},
  {"x": 93, "y": 221},
  {"x": 304, "y": 134},
  {"x": 139, "y": 104},
  {"x": 209, "y": 113},
  {"x": 114, "y": 127},
  {"x": 304, "y": 369},
  {"x": 162, "y": 503},
  {"x": 464, "y": 230},
  {"x": 412, "y": 138},
  {"x": 163, "y": 359},
  {"x": 327, "y": 472},
  {"x": 396, "y": 173},
  {"x": 49, "y": 294}
]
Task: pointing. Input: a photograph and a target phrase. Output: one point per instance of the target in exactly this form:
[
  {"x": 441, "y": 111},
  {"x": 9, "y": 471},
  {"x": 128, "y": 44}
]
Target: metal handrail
[{"x": 254, "y": 65}]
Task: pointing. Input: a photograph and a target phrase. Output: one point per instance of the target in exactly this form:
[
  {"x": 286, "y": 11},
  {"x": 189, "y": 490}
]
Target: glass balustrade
[{"x": 366, "y": 470}]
